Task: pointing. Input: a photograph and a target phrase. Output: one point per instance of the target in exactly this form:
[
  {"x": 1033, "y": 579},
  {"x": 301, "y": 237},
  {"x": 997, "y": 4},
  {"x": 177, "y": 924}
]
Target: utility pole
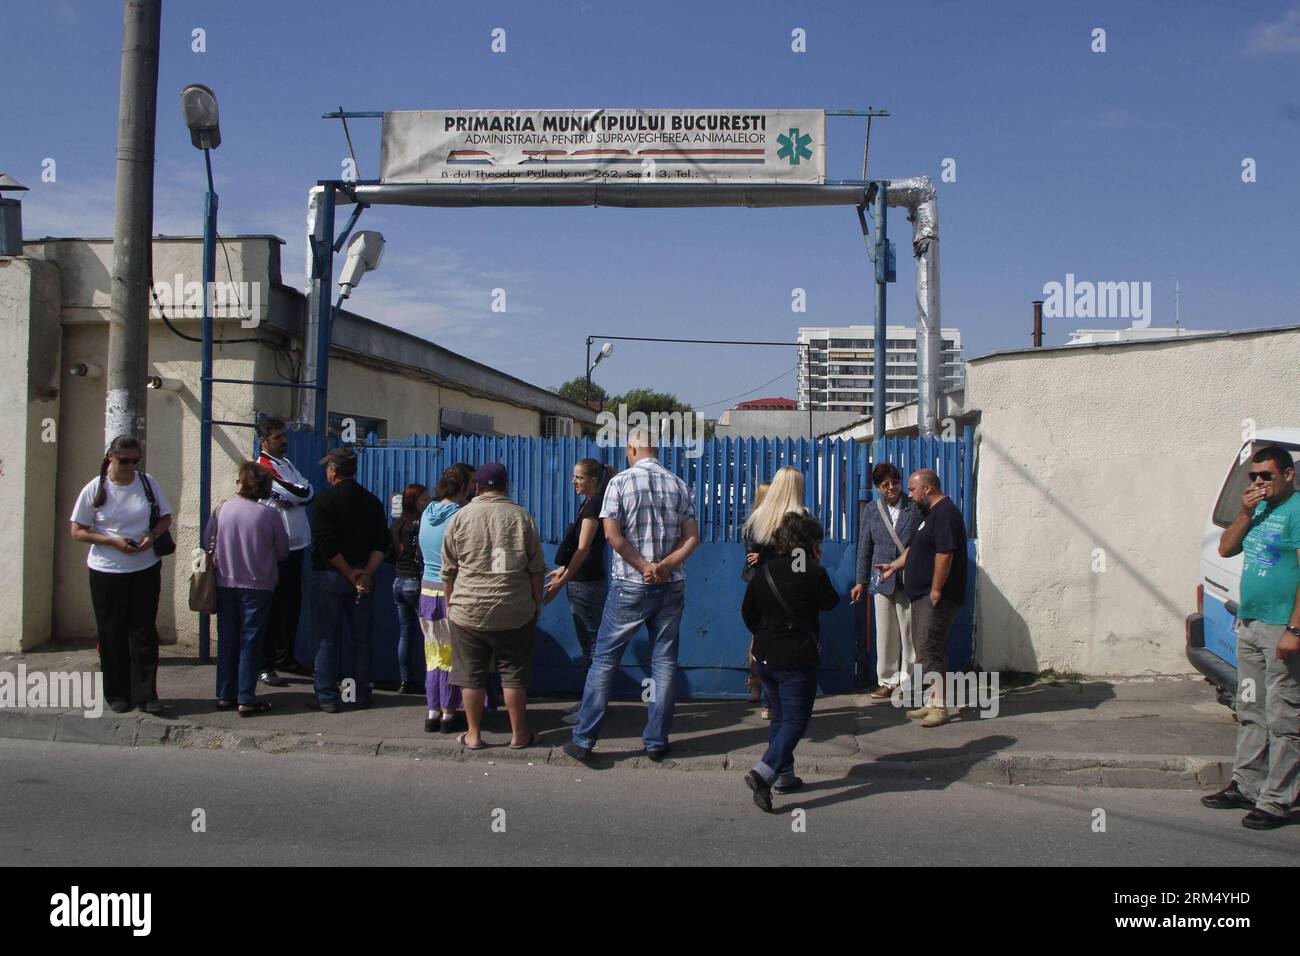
[{"x": 128, "y": 322}]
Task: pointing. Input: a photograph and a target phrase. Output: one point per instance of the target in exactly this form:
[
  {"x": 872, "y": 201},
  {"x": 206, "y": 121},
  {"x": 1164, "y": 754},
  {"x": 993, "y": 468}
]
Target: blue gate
[{"x": 723, "y": 474}]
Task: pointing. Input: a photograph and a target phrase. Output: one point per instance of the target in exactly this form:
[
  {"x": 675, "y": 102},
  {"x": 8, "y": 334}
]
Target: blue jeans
[
  {"x": 410, "y": 640},
  {"x": 791, "y": 694},
  {"x": 659, "y": 608},
  {"x": 242, "y": 615},
  {"x": 587, "y": 602},
  {"x": 334, "y": 600}
]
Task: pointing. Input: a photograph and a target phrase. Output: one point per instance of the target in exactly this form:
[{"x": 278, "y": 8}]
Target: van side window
[{"x": 1229, "y": 504}]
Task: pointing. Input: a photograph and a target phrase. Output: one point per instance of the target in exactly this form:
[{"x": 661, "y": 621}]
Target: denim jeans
[
  {"x": 242, "y": 615},
  {"x": 587, "y": 602},
  {"x": 333, "y": 601},
  {"x": 792, "y": 694},
  {"x": 659, "y": 608},
  {"x": 410, "y": 641}
]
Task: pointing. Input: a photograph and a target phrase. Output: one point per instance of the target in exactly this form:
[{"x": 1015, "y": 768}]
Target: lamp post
[
  {"x": 199, "y": 107},
  {"x": 605, "y": 352}
]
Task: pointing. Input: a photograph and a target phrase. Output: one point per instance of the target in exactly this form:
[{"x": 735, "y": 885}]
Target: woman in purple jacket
[{"x": 251, "y": 541}]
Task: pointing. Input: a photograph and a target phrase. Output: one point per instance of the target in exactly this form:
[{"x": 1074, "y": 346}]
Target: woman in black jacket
[{"x": 781, "y": 609}]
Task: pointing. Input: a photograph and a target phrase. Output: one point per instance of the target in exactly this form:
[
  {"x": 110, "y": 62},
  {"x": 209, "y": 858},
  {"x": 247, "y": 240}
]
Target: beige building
[
  {"x": 1097, "y": 466},
  {"x": 54, "y": 302}
]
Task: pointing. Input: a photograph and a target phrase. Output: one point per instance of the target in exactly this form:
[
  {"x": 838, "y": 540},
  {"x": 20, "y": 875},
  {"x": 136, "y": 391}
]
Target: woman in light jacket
[
  {"x": 453, "y": 490},
  {"x": 895, "y": 652},
  {"x": 250, "y": 542},
  {"x": 112, "y": 515}
]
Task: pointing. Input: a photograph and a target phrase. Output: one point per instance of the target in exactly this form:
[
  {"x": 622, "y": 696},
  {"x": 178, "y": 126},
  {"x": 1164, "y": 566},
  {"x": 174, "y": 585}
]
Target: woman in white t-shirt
[{"x": 112, "y": 515}]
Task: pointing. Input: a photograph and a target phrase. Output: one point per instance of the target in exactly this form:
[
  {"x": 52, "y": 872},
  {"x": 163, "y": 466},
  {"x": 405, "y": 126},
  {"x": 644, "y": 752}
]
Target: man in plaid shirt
[{"x": 649, "y": 520}]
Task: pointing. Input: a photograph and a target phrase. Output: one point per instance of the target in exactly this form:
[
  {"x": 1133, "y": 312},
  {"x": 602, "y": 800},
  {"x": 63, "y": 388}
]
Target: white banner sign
[{"x": 584, "y": 146}]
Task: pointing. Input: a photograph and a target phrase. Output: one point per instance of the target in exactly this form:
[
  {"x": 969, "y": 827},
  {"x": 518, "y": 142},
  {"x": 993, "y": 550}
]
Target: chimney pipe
[{"x": 1038, "y": 323}]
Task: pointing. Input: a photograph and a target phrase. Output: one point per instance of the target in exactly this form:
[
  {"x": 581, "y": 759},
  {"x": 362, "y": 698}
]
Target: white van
[{"x": 1211, "y": 641}]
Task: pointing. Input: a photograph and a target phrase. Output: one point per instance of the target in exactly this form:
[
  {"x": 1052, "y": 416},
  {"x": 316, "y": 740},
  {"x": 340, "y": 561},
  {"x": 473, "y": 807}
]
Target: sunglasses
[
  {"x": 1260, "y": 475},
  {"x": 128, "y": 461}
]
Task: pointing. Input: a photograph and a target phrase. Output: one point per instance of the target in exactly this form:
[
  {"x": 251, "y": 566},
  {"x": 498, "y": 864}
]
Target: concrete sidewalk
[{"x": 1157, "y": 732}]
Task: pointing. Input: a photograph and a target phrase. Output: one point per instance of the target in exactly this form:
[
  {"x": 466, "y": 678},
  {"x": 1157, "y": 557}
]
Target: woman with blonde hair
[{"x": 783, "y": 495}]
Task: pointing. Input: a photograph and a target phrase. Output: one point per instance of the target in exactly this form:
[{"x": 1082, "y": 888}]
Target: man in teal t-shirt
[{"x": 1266, "y": 775}]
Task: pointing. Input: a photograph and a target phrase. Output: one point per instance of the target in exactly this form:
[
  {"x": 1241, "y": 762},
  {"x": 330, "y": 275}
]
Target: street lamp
[
  {"x": 199, "y": 107},
  {"x": 605, "y": 352},
  {"x": 364, "y": 253}
]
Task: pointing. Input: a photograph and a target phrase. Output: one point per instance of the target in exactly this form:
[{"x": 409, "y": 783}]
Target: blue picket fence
[{"x": 723, "y": 473}]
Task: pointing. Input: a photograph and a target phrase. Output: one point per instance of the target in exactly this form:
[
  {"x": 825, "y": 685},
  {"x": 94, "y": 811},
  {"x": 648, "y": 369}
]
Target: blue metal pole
[
  {"x": 205, "y": 389},
  {"x": 878, "y": 355},
  {"x": 324, "y": 319}
]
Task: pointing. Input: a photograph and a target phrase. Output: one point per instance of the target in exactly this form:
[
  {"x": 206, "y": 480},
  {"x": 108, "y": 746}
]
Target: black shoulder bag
[
  {"x": 164, "y": 544},
  {"x": 794, "y": 624}
]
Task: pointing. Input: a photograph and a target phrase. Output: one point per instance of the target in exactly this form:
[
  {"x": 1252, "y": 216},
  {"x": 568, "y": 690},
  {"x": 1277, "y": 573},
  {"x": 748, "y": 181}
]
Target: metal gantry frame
[{"x": 861, "y": 193}]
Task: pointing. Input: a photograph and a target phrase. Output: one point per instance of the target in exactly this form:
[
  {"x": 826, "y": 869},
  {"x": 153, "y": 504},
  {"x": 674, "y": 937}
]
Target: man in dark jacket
[
  {"x": 935, "y": 583},
  {"x": 891, "y": 611},
  {"x": 350, "y": 539},
  {"x": 781, "y": 608}
]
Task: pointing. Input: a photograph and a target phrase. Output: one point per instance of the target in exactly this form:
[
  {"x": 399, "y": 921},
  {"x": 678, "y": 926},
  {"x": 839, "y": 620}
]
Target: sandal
[
  {"x": 468, "y": 746},
  {"x": 261, "y": 707},
  {"x": 532, "y": 739},
  {"x": 227, "y": 704}
]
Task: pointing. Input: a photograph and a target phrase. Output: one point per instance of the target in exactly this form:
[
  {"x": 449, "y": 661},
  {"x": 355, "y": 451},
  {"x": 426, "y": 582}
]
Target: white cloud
[
  {"x": 1282, "y": 36},
  {"x": 438, "y": 295}
]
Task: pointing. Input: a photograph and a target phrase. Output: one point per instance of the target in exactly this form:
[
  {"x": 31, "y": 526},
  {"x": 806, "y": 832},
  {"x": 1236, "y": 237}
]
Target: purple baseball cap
[{"x": 491, "y": 476}]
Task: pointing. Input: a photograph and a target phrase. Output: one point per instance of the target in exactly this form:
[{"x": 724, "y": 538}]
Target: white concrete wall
[
  {"x": 29, "y": 394},
  {"x": 1118, "y": 447},
  {"x": 414, "y": 404}
]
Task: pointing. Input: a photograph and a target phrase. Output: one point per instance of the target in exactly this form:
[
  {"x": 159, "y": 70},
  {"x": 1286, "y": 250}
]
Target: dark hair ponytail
[
  {"x": 119, "y": 444},
  {"x": 593, "y": 468}
]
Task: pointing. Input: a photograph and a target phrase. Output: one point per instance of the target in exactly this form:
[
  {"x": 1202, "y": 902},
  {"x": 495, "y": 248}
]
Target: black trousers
[
  {"x": 126, "y": 612},
  {"x": 286, "y": 606}
]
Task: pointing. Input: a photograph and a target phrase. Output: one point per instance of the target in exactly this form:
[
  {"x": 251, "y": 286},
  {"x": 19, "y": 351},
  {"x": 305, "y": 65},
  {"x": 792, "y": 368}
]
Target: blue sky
[{"x": 1115, "y": 166}]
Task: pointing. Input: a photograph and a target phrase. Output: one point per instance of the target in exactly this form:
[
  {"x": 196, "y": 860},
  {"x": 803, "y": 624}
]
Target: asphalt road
[{"x": 84, "y": 805}]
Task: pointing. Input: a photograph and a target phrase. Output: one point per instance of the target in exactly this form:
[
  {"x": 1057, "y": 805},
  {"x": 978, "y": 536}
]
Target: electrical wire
[
  {"x": 750, "y": 392},
  {"x": 277, "y": 348}
]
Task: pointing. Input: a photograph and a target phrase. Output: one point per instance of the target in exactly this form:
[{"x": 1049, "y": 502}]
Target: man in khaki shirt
[{"x": 492, "y": 573}]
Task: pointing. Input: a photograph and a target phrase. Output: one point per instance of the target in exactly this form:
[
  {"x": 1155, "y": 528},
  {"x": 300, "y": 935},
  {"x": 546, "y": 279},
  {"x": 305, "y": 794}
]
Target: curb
[{"x": 1001, "y": 768}]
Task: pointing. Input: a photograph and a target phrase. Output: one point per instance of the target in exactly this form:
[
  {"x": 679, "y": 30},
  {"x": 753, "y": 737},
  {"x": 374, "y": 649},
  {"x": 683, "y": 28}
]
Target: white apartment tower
[{"x": 835, "y": 371}]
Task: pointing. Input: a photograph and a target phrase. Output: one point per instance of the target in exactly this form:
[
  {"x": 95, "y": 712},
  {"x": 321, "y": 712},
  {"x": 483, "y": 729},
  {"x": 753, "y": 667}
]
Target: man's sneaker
[
  {"x": 883, "y": 692},
  {"x": 579, "y": 754},
  {"x": 937, "y": 717},
  {"x": 1263, "y": 820},
  {"x": 657, "y": 755},
  {"x": 762, "y": 791},
  {"x": 1229, "y": 798},
  {"x": 271, "y": 679},
  {"x": 919, "y": 714},
  {"x": 325, "y": 707},
  {"x": 794, "y": 784}
]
